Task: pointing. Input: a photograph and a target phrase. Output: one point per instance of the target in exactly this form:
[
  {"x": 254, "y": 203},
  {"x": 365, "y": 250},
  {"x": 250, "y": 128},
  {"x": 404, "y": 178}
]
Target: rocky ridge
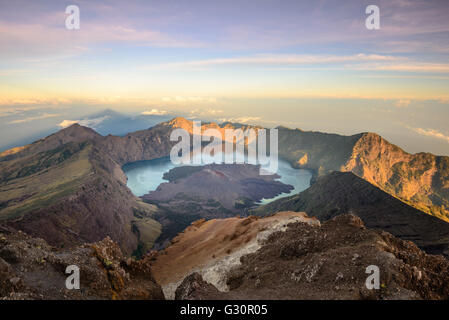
[
  {"x": 31, "y": 269},
  {"x": 214, "y": 247},
  {"x": 421, "y": 180},
  {"x": 69, "y": 209},
  {"x": 343, "y": 192},
  {"x": 309, "y": 261}
]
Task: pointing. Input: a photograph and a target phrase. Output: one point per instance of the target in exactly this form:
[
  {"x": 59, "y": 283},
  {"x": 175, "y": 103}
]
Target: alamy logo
[
  {"x": 373, "y": 280},
  {"x": 73, "y": 280},
  {"x": 372, "y": 22},
  {"x": 255, "y": 141},
  {"x": 72, "y": 22}
]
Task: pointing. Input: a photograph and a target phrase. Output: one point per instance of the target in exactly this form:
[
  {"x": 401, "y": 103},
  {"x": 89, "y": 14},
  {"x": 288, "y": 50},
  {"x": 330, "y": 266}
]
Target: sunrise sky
[{"x": 307, "y": 64}]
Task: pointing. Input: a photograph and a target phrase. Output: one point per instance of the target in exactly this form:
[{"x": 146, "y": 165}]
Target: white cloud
[
  {"x": 358, "y": 62},
  {"x": 155, "y": 112},
  {"x": 283, "y": 59},
  {"x": 67, "y": 123},
  {"x": 240, "y": 119},
  {"x": 40, "y": 39},
  {"x": 432, "y": 133},
  {"x": 40, "y": 117},
  {"x": 206, "y": 112},
  {"x": 407, "y": 67},
  {"x": 402, "y": 103},
  {"x": 92, "y": 123},
  {"x": 33, "y": 103},
  {"x": 182, "y": 99},
  {"x": 444, "y": 100}
]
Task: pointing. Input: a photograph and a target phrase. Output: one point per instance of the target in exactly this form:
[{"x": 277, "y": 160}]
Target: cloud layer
[
  {"x": 154, "y": 112},
  {"x": 432, "y": 133}
]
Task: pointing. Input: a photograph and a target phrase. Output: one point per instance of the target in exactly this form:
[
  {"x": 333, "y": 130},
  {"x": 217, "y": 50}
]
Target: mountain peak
[
  {"x": 76, "y": 129},
  {"x": 344, "y": 192},
  {"x": 180, "y": 122},
  {"x": 73, "y": 133}
]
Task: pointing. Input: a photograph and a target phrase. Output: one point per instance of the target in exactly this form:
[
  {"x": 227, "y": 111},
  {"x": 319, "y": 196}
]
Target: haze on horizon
[{"x": 306, "y": 64}]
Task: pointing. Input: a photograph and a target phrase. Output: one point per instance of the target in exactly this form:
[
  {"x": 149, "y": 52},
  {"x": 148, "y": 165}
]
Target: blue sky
[{"x": 308, "y": 64}]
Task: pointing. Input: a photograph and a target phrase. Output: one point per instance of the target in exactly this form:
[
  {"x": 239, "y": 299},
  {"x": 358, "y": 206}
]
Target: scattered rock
[
  {"x": 194, "y": 287},
  {"x": 31, "y": 269},
  {"x": 317, "y": 262}
]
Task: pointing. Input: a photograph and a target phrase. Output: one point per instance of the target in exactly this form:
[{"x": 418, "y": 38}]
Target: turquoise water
[{"x": 146, "y": 176}]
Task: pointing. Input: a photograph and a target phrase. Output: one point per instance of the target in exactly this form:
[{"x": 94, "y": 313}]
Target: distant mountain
[
  {"x": 74, "y": 133},
  {"x": 67, "y": 190},
  {"x": 104, "y": 122},
  {"x": 421, "y": 180},
  {"x": 343, "y": 192},
  {"x": 316, "y": 151},
  {"x": 70, "y": 187},
  {"x": 111, "y": 122}
]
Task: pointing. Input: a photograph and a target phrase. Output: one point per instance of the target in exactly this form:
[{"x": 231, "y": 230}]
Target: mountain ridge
[
  {"x": 292, "y": 256},
  {"x": 344, "y": 192},
  {"x": 365, "y": 154}
]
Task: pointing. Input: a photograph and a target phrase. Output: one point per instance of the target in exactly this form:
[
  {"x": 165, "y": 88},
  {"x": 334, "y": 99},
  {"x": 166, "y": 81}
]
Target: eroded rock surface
[
  {"x": 212, "y": 248},
  {"x": 31, "y": 269},
  {"x": 343, "y": 192},
  {"x": 309, "y": 261}
]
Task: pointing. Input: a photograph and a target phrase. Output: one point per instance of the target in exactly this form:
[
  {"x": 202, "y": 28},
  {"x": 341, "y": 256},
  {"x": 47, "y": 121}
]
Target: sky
[{"x": 307, "y": 64}]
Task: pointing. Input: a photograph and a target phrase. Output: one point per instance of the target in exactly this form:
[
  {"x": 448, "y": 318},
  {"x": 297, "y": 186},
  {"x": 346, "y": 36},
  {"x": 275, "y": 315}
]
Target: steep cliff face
[
  {"x": 155, "y": 142},
  {"x": 93, "y": 207},
  {"x": 70, "y": 188},
  {"x": 317, "y": 151},
  {"x": 70, "y": 194},
  {"x": 147, "y": 144},
  {"x": 312, "y": 261},
  {"x": 343, "y": 192},
  {"x": 421, "y": 180}
]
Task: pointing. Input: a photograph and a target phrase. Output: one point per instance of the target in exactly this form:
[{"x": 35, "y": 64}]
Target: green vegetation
[
  {"x": 36, "y": 186},
  {"x": 145, "y": 228},
  {"x": 242, "y": 203}
]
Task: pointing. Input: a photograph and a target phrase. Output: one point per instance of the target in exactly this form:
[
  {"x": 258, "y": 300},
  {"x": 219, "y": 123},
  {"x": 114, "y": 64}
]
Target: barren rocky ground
[
  {"x": 309, "y": 261},
  {"x": 31, "y": 269}
]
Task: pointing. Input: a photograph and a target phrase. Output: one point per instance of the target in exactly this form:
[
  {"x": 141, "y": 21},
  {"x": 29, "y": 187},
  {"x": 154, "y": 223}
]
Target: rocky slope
[
  {"x": 285, "y": 256},
  {"x": 74, "y": 133},
  {"x": 309, "y": 261},
  {"x": 31, "y": 269},
  {"x": 69, "y": 188},
  {"x": 316, "y": 151},
  {"x": 421, "y": 180},
  {"x": 214, "y": 247},
  {"x": 71, "y": 194},
  {"x": 211, "y": 191},
  {"x": 342, "y": 192}
]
